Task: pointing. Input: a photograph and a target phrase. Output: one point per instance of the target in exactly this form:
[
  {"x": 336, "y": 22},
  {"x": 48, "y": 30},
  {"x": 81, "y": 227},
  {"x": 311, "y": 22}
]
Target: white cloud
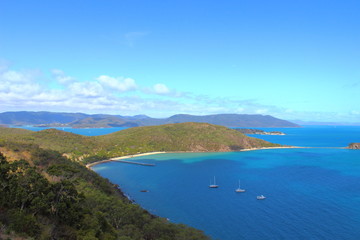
[
  {"x": 18, "y": 84},
  {"x": 27, "y": 90},
  {"x": 240, "y": 109},
  {"x": 161, "y": 89},
  {"x": 60, "y": 76},
  {"x": 119, "y": 83},
  {"x": 86, "y": 89},
  {"x": 10, "y": 76},
  {"x": 262, "y": 111}
]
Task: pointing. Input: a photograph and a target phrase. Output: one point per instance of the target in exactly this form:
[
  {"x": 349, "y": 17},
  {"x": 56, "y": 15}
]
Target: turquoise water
[{"x": 312, "y": 193}]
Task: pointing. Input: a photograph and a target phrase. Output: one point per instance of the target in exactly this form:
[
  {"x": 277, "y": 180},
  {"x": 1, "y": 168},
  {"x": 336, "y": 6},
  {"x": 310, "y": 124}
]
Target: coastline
[
  {"x": 121, "y": 158},
  {"x": 152, "y": 153}
]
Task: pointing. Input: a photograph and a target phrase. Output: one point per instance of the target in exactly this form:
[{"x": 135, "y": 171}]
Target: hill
[
  {"x": 58, "y": 118},
  {"x": 80, "y": 120},
  {"x": 46, "y": 196},
  {"x": 102, "y": 122},
  {"x": 34, "y": 118},
  {"x": 198, "y": 137}
]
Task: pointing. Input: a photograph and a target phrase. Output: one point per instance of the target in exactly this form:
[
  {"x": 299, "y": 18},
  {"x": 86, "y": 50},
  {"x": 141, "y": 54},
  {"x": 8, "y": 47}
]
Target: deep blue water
[
  {"x": 314, "y": 136},
  {"x": 312, "y": 193}
]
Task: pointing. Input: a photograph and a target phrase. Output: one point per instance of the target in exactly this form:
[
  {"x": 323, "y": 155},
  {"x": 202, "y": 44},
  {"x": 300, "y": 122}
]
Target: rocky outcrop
[
  {"x": 354, "y": 146},
  {"x": 258, "y": 131}
]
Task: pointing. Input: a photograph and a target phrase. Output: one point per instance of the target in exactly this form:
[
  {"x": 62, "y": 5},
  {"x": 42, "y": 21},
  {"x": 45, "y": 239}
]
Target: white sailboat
[
  {"x": 213, "y": 185},
  {"x": 261, "y": 197},
  {"x": 239, "y": 189}
]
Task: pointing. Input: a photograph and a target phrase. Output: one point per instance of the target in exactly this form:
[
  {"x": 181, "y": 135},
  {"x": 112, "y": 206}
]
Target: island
[
  {"x": 258, "y": 131},
  {"x": 354, "y": 146}
]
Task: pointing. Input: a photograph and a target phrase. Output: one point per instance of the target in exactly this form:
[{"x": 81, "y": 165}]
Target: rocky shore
[
  {"x": 354, "y": 146},
  {"x": 258, "y": 131}
]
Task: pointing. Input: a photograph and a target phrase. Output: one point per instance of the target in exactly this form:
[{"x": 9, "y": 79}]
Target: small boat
[
  {"x": 239, "y": 189},
  {"x": 144, "y": 190},
  {"x": 213, "y": 185},
  {"x": 261, "y": 197}
]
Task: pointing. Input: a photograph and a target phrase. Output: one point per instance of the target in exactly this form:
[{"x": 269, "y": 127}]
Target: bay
[{"x": 312, "y": 193}]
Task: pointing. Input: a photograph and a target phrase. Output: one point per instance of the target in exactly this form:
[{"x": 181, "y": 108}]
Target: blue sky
[{"x": 289, "y": 59}]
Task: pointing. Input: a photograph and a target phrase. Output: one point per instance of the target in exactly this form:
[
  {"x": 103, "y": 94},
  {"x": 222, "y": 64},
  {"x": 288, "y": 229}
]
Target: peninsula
[
  {"x": 354, "y": 146},
  {"x": 258, "y": 131},
  {"x": 179, "y": 137}
]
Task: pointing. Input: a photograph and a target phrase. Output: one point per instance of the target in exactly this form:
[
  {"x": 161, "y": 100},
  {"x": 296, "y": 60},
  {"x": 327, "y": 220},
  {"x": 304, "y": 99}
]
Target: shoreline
[
  {"x": 89, "y": 165},
  {"x": 121, "y": 158}
]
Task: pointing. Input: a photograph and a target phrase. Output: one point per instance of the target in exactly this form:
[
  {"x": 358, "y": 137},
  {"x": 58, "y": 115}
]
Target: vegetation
[
  {"x": 196, "y": 137},
  {"x": 46, "y": 196},
  {"x": 258, "y": 131},
  {"x": 102, "y": 122}
]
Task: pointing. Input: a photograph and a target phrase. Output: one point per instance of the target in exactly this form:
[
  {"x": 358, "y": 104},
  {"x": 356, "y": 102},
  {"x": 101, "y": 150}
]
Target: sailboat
[
  {"x": 239, "y": 189},
  {"x": 261, "y": 197},
  {"x": 213, "y": 185}
]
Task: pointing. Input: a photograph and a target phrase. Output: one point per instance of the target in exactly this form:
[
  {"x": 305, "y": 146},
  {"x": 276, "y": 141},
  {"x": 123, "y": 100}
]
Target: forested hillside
[{"x": 46, "y": 196}]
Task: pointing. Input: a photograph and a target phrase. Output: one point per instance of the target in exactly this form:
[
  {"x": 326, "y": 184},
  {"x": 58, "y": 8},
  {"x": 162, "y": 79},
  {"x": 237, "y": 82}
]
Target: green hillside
[
  {"x": 188, "y": 137},
  {"x": 72, "y": 144},
  {"x": 197, "y": 137},
  {"x": 46, "y": 196}
]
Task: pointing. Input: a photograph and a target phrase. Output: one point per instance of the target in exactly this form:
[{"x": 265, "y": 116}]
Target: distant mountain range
[{"x": 81, "y": 120}]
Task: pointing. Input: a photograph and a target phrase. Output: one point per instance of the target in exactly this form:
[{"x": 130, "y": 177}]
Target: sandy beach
[
  {"x": 152, "y": 153},
  {"x": 121, "y": 158}
]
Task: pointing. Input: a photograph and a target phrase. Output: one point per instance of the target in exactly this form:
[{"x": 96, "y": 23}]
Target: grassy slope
[
  {"x": 64, "y": 142},
  {"x": 98, "y": 194},
  {"x": 181, "y": 137},
  {"x": 47, "y": 196},
  {"x": 198, "y": 137}
]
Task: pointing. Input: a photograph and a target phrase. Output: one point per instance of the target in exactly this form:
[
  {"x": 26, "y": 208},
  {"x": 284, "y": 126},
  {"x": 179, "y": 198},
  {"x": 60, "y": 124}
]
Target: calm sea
[{"x": 312, "y": 193}]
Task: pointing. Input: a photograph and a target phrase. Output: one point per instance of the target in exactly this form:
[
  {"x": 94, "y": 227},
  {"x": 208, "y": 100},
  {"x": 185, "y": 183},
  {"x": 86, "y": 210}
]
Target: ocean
[{"x": 311, "y": 193}]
